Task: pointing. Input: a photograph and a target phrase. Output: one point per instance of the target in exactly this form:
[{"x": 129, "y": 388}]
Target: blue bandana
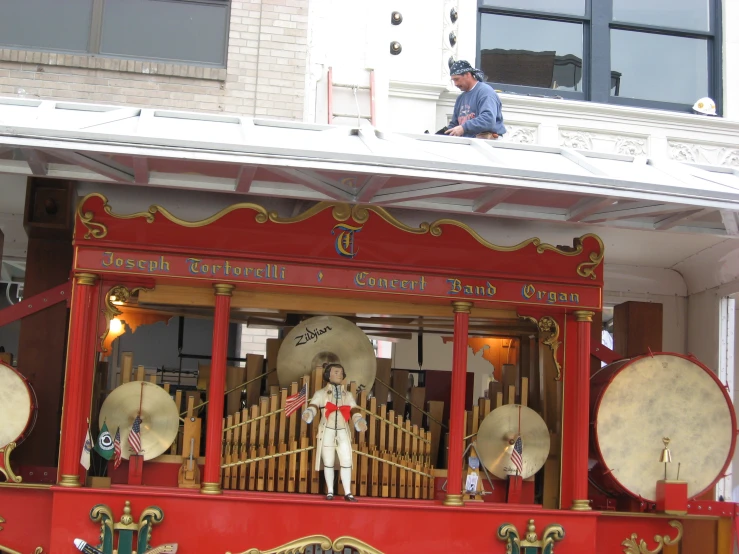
[{"x": 461, "y": 66}]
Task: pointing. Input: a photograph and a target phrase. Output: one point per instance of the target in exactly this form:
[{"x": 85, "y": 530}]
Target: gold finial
[
  {"x": 127, "y": 518},
  {"x": 666, "y": 456}
]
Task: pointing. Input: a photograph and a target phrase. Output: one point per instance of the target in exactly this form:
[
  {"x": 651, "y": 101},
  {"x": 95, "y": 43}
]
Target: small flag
[
  {"x": 517, "y": 455},
  {"x": 86, "y": 450},
  {"x": 104, "y": 447},
  {"x": 117, "y": 448},
  {"x": 295, "y": 401},
  {"x": 134, "y": 437}
]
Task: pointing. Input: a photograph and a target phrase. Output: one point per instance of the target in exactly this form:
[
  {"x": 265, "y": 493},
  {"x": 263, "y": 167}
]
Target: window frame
[{"x": 597, "y": 23}]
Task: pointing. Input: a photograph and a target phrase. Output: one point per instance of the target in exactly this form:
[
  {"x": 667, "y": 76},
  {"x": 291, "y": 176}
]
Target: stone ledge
[{"x": 87, "y": 61}]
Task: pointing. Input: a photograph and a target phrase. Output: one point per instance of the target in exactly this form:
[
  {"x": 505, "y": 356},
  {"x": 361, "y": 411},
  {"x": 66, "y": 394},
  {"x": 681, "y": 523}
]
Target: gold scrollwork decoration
[
  {"x": 5, "y": 468},
  {"x": 632, "y": 547},
  {"x": 548, "y": 324},
  {"x": 8, "y": 550},
  {"x": 95, "y": 229},
  {"x": 299, "y": 546},
  {"x": 552, "y": 533},
  {"x": 119, "y": 294}
]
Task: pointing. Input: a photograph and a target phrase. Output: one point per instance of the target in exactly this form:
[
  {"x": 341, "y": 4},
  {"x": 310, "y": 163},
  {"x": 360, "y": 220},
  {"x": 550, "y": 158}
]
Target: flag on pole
[
  {"x": 104, "y": 446},
  {"x": 86, "y": 450},
  {"x": 134, "y": 437},
  {"x": 517, "y": 455},
  {"x": 117, "y": 448},
  {"x": 295, "y": 401}
]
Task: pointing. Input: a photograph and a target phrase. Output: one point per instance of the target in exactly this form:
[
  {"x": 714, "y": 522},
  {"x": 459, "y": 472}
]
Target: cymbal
[
  {"x": 159, "y": 418},
  {"x": 498, "y": 432},
  {"x": 333, "y": 334}
]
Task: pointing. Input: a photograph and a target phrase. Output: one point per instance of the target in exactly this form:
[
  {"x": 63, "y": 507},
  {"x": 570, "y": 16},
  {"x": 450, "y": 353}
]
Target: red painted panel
[{"x": 27, "y": 514}]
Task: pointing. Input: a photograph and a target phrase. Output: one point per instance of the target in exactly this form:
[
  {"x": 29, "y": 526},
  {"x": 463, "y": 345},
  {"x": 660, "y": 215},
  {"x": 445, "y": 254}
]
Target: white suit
[{"x": 337, "y": 407}]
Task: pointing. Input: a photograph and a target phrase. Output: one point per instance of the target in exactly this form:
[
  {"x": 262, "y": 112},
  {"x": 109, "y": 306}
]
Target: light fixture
[
  {"x": 115, "y": 325},
  {"x": 452, "y": 39},
  {"x": 395, "y": 48},
  {"x": 453, "y": 15},
  {"x": 451, "y": 61},
  {"x": 396, "y": 18}
]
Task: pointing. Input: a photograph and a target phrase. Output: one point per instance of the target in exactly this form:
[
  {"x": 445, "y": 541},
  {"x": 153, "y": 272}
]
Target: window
[
  {"x": 652, "y": 53},
  {"x": 179, "y": 31}
]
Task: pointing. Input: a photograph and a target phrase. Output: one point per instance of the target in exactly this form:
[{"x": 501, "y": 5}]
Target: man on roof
[{"x": 477, "y": 111}]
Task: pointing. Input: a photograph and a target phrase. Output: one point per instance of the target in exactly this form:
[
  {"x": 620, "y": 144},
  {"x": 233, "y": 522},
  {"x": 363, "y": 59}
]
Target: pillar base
[
  {"x": 211, "y": 488},
  {"x": 453, "y": 500},
  {"x": 581, "y": 505},
  {"x": 69, "y": 481}
]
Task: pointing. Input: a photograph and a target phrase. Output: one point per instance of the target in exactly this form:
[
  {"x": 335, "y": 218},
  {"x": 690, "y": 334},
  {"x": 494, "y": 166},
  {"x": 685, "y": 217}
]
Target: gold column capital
[
  {"x": 462, "y": 307},
  {"x": 583, "y": 315},
  {"x": 211, "y": 488},
  {"x": 223, "y": 289},
  {"x": 85, "y": 278}
]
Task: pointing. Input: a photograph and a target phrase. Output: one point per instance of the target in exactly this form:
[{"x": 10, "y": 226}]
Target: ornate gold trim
[
  {"x": 631, "y": 547},
  {"x": 453, "y": 500},
  {"x": 211, "y": 488},
  {"x": 584, "y": 316},
  {"x": 548, "y": 324},
  {"x": 5, "y": 468},
  {"x": 223, "y": 289},
  {"x": 72, "y": 481},
  {"x": 552, "y": 533},
  {"x": 462, "y": 307},
  {"x": 581, "y": 506},
  {"x": 121, "y": 294},
  {"x": 8, "y": 550},
  {"x": 342, "y": 212},
  {"x": 298, "y": 546},
  {"x": 88, "y": 279}
]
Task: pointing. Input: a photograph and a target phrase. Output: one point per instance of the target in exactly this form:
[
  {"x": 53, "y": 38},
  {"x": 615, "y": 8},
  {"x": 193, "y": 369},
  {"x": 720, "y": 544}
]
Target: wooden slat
[
  {"x": 254, "y": 365},
  {"x": 227, "y": 450},
  {"x": 436, "y": 409},
  {"x": 273, "y": 347},
  {"x": 281, "y": 443},
  {"x": 494, "y": 388},
  {"x": 262, "y": 441},
  {"x": 303, "y": 483},
  {"x": 292, "y": 468},
  {"x": 140, "y": 373},
  {"x": 384, "y": 366},
  {"x": 235, "y": 451},
  {"x": 126, "y": 366},
  {"x": 511, "y": 397},
  {"x": 271, "y": 444},
  {"x": 400, "y": 384},
  {"x": 524, "y": 391},
  {"x": 243, "y": 470},
  {"x": 372, "y": 439},
  {"x": 253, "y": 428},
  {"x": 418, "y": 398},
  {"x": 234, "y": 377}
]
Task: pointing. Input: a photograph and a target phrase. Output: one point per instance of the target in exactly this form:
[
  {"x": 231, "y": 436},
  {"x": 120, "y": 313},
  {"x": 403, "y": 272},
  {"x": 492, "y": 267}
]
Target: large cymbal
[
  {"x": 159, "y": 418},
  {"x": 499, "y": 430},
  {"x": 327, "y": 334}
]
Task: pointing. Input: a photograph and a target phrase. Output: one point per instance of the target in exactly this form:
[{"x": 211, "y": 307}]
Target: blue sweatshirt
[{"x": 478, "y": 111}]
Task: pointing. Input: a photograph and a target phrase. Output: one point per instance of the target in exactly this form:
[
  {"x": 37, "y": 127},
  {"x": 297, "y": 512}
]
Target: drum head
[
  {"x": 664, "y": 396},
  {"x": 16, "y": 405},
  {"x": 322, "y": 334}
]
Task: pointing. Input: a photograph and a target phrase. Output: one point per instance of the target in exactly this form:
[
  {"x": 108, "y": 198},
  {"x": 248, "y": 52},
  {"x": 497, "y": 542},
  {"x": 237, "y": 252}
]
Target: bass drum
[
  {"x": 634, "y": 403},
  {"x": 17, "y": 406}
]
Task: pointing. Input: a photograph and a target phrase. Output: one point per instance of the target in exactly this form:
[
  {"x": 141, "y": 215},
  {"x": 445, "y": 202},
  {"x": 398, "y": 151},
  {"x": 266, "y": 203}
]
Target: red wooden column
[
  {"x": 214, "y": 433},
  {"x": 580, "y": 424},
  {"x": 456, "y": 409},
  {"x": 79, "y": 371}
]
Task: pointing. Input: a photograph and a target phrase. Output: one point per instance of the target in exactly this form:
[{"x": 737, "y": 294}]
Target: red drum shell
[
  {"x": 634, "y": 403},
  {"x": 17, "y": 406}
]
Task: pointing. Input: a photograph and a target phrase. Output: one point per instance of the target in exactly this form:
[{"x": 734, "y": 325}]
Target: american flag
[
  {"x": 134, "y": 437},
  {"x": 117, "y": 449},
  {"x": 517, "y": 455},
  {"x": 293, "y": 403}
]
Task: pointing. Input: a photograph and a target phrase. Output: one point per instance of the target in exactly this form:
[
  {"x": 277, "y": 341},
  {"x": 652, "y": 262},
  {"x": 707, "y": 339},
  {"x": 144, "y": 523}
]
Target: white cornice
[{"x": 420, "y": 91}]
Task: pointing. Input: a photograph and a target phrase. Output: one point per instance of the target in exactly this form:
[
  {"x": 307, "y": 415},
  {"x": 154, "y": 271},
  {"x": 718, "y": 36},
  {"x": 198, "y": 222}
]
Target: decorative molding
[
  {"x": 97, "y": 61},
  {"x": 548, "y": 324},
  {"x": 693, "y": 152},
  {"x": 631, "y": 547},
  {"x": 5, "y": 468},
  {"x": 418, "y": 91},
  {"x": 127, "y": 528},
  {"x": 521, "y": 134},
  {"x": 552, "y": 533},
  {"x": 299, "y": 546},
  {"x": 604, "y": 142}
]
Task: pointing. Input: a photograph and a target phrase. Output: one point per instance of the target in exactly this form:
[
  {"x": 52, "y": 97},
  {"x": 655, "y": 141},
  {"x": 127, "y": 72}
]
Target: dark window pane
[
  {"x": 682, "y": 14},
  {"x": 573, "y": 7},
  {"x": 658, "y": 67},
  {"x": 531, "y": 52},
  {"x": 46, "y": 24},
  {"x": 164, "y": 30}
]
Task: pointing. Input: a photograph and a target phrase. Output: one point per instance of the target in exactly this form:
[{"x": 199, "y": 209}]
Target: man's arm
[{"x": 485, "y": 115}]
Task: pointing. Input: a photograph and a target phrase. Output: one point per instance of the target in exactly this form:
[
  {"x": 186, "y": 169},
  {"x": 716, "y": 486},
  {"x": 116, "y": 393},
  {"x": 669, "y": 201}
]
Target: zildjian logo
[{"x": 310, "y": 335}]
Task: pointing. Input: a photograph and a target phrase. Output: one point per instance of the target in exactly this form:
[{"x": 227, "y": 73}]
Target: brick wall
[{"x": 265, "y": 74}]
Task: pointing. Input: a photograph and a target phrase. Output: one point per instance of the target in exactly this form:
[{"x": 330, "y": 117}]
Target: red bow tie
[{"x": 345, "y": 410}]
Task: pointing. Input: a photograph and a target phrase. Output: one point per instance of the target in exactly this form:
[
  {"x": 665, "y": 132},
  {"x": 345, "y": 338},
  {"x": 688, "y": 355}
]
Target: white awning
[{"x": 318, "y": 162}]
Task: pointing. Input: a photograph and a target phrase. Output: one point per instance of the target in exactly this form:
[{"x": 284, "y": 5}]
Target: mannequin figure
[{"x": 337, "y": 407}]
